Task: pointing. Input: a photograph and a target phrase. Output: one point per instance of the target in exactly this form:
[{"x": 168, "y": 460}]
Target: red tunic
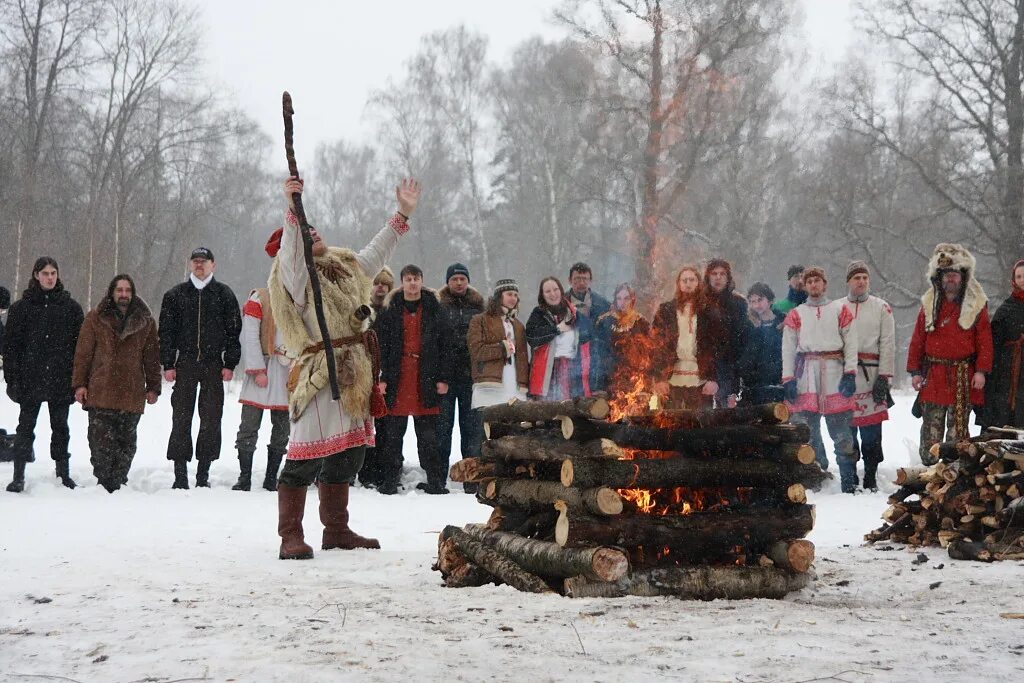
[
  {"x": 951, "y": 342},
  {"x": 409, "y": 400}
]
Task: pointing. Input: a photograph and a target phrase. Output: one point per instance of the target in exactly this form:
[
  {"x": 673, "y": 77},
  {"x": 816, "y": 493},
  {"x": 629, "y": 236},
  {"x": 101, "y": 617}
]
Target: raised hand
[
  {"x": 292, "y": 186},
  {"x": 408, "y": 195}
]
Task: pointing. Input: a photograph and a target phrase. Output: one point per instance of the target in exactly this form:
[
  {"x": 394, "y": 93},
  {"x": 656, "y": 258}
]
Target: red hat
[{"x": 274, "y": 243}]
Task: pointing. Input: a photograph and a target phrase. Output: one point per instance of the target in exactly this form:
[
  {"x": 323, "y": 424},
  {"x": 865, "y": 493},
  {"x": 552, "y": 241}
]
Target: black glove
[
  {"x": 848, "y": 385},
  {"x": 880, "y": 389},
  {"x": 790, "y": 389}
]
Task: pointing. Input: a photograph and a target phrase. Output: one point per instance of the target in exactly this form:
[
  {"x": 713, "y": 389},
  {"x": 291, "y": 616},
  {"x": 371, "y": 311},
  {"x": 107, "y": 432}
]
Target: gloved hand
[
  {"x": 848, "y": 385},
  {"x": 790, "y": 389},
  {"x": 880, "y": 389}
]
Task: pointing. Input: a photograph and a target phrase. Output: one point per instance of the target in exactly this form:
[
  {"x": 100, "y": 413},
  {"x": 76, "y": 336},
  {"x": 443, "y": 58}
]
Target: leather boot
[
  {"x": 870, "y": 472},
  {"x": 244, "y": 482},
  {"x": 17, "y": 484},
  {"x": 180, "y": 474},
  {"x": 273, "y": 466},
  {"x": 63, "y": 472},
  {"x": 203, "y": 474},
  {"x": 291, "y": 505},
  {"x": 334, "y": 516}
]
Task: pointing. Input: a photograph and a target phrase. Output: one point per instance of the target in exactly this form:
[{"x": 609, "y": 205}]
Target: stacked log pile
[
  {"x": 696, "y": 504},
  {"x": 970, "y": 502}
]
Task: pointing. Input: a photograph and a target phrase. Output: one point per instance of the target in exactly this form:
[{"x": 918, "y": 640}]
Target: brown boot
[
  {"x": 291, "y": 504},
  {"x": 334, "y": 515}
]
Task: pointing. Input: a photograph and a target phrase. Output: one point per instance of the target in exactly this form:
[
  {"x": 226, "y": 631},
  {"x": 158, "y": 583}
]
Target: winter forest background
[{"x": 655, "y": 133}]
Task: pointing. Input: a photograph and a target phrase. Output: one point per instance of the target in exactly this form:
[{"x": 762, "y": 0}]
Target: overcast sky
[{"x": 331, "y": 53}]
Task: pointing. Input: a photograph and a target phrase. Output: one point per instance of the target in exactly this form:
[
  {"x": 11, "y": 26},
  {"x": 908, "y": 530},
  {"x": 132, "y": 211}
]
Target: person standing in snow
[
  {"x": 329, "y": 438},
  {"x": 760, "y": 367},
  {"x": 590, "y": 305},
  {"x": 116, "y": 373},
  {"x": 819, "y": 368},
  {"x": 370, "y": 474},
  {"x": 39, "y": 352},
  {"x": 623, "y": 337},
  {"x": 459, "y": 304},
  {"x": 796, "y": 295},
  {"x": 199, "y": 349},
  {"x": 684, "y": 370},
  {"x": 951, "y": 350},
  {"x": 562, "y": 364},
  {"x": 724, "y": 318},
  {"x": 1004, "y": 392},
  {"x": 875, "y": 328},
  {"x": 415, "y": 350},
  {"x": 265, "y": 388}
]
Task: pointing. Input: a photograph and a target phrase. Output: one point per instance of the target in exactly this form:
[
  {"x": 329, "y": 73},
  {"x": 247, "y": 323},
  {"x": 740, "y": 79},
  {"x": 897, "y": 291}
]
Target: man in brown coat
[{"x": 117, "y": 372}]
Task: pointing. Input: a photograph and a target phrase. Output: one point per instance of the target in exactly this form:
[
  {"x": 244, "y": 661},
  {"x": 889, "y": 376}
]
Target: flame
[{"x": 683, "y": 500}]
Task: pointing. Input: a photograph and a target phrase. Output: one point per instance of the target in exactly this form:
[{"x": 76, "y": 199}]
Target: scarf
[{"x": 201, "y": 284}]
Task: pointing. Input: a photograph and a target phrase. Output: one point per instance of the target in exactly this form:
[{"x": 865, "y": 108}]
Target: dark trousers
[
  {"x": 869, "y": 445},
  {"x": 470, "y": 423},
  {"x": 432, "y": 463},
  {"x": 112, "y": 443},
  {"x": 372, "y": 471},
  {"x": 249, "y": 430},
  {"x": 340, "y": 468},
  {"x": 60, "y": 435},
  {"x": 206, "y": 378}
]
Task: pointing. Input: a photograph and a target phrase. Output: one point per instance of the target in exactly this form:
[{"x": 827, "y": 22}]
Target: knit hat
[
  {"x": 508, "y": 285},
  {"x": 762, "y": 290},
  {"x": 793, "y": 271},
  {"x": 201, "y": 252},
  {"x": 856, "y": 268},
  {"x": 456, "y": 269},
  {"x": 385, "y": 276},
  {"x": 814, "y": 271}
]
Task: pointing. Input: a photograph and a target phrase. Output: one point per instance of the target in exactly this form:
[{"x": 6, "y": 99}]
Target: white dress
[{"x": 275, "y": 395}]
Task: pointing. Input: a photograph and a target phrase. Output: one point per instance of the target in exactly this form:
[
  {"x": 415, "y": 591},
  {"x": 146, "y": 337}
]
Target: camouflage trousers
[
  {"x": 938, "y": 424},
  {"x": 112, "y": 439}
]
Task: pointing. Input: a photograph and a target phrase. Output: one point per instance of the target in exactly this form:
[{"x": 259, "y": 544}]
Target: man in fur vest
[
  {"x": 819, "y": 367},
  {"x": 116, "y": 373},
  {"x": 328, "y": 438},
  {"x": 875, "y": 328},
  {"x": 265, "y": 388},
  {"x": 460, "y": 302},
  {"x": 951, "y": 350}
]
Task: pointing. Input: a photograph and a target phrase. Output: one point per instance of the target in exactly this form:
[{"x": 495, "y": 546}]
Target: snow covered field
[{"x": 155, "y": 585}]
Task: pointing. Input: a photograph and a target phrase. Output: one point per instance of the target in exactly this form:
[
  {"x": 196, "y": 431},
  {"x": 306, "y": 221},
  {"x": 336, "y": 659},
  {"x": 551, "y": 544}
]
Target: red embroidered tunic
[
  {"x": 950, "y": 342},
  {"x": 409, "y": 400}
]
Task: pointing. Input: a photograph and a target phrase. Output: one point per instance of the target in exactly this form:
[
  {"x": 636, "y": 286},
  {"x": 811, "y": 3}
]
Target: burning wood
[
  {"x": 970, "y": 502},
  {"x": 698, "y": 504}
]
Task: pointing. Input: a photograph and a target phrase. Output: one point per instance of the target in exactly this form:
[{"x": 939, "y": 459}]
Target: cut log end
[
  {"x": 797, "y": 493},
  {"x": 796, "y": 555},
  {"x": 568, "y": 472},
  {"x": 782, "y": 413},
  {"x": 805, "y": 455},
  {"x": 610, "y": 564},
  {"x": 609, "y": 501}
]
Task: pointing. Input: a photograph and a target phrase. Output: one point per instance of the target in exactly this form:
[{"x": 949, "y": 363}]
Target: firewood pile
[
  {"x": 696, "y": 504},
  {"x": 970, "y": 502}
]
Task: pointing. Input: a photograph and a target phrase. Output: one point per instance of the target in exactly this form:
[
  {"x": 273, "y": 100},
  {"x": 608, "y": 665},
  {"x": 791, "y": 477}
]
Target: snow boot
[
  {"x": 273, "y": 466},
  {"x": 203, "y": 474},
  {"x": 180, "y": 474},
  {"x": 244, "y": 482},
  {"x": 334, "y": 516},
  {"x": 291, "y": 506},
  {"x": 433, "y": 488},
  {"x": 17, "y": 484},
  {"x": 63, "y": 472},
  {"x": 870, "y": 472}
]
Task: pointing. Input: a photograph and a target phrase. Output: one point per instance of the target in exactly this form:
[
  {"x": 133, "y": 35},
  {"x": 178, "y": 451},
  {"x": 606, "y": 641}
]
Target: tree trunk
[
  {"x": 685, "y": 440},
  {"x": 700, "y": 533},
  {"x": 477, "y": 470},
  {"x": 551, "y": 560},
  {"x": 688, "y": 471},
  {"x": 535, "y": 495},
  {"x": 696, "y": 583},
  {"x": 503, "y": 429},
  {"x": 548, "y": 449},
  {"x": 771, "y": 413},
  {"x": 494, "y": 562},
  {"x": 595, "y": 407},
  {"x": 968, "y": 550}
]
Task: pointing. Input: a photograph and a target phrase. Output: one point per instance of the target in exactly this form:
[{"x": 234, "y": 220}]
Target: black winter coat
[
  {"x": 761, "y": 363},
  {"x": 458, "y": 311},
  {"x": 5, "y": 303},
  {"x": 200, "y": 325},
  {"x": 435, "y": 361},
  {"x": 1007, "y": 327},
  {"x": 726, "y": 327},
  {"x": 39, "y": 355}
]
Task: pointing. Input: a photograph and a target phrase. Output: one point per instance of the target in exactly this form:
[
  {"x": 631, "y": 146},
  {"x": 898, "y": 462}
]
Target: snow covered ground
[{"x": 155, "y": 585}]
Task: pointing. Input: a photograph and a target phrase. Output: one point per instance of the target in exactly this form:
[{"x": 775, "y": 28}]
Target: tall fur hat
[{"x": 953, "y": 257}]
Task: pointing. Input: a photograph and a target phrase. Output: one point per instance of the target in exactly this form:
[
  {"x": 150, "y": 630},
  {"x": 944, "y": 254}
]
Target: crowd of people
[{"x": 404, "y": 350}]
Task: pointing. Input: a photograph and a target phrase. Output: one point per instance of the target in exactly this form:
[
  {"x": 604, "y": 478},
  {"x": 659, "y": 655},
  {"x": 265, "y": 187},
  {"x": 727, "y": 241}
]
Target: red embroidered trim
[
  {"x": 291, "y": 219},
  {"x": 360, "y": 436},
  {"x": 253, "y": 309},
  {"x": 873, "y": 419},
  {"x": 834, "y": 403},
  {"x": 845, "y": 317},
  {"x": 792, "y": 320},
  {"x": 398, "y": 224},
  {"x": 246, "y": 402},
  {"x": 258, "y": 371}
]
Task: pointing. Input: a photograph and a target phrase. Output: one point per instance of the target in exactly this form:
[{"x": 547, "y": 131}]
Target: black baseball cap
[{"x": 201, "y": 252}]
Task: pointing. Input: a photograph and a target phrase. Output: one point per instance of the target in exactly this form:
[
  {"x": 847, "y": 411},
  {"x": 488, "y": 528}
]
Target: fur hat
[
  {"x": 856, "y": 268},
  {"x": 386, "y": 275},
  {"x": 814, "y": 271},
  {"x": 953, "y": 257}
]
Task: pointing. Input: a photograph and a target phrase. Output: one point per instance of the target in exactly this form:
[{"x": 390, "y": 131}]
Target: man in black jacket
[
  {"x": 39, "y": 353},
  {"x": 199, "y": 348},
  {"x": 726, "y": 322},
  {"x": 459, "y": 303},
  {"x": 760, "y": 367}
]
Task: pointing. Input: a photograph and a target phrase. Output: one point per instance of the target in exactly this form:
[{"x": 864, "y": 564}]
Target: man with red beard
[
  {"x": 726, "y": 323},
  {"x": 951, "y": 350},
  {"x": 685, "y": 367}
]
